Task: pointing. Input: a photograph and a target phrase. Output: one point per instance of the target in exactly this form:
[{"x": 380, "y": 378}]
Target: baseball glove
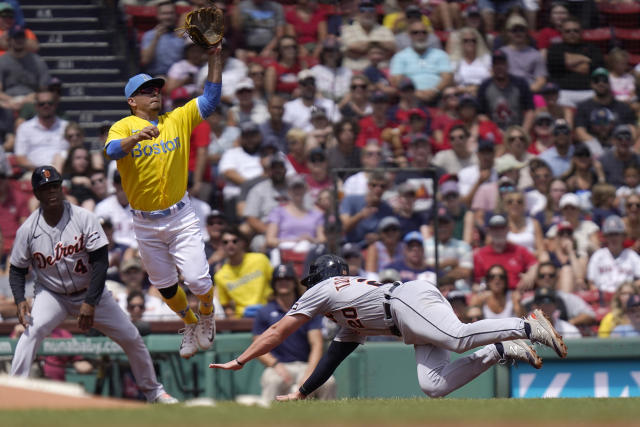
[{"x": 205, "y": 26}]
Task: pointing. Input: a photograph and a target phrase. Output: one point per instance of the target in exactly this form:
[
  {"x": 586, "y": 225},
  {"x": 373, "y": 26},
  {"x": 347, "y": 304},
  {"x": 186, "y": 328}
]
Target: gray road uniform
[
  {"x": 59, "y": 257},
  {"x": 418, "y": 313}
]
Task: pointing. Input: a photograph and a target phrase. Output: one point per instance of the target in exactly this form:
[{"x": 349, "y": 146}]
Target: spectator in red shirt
[
  {"x": 282, "y": 76},
  {"x": 517, "y": 260},
  {"x": 308, "y": 25},
  {"x": 548, "y": 35},
  {"x": 371, "y": 126}
]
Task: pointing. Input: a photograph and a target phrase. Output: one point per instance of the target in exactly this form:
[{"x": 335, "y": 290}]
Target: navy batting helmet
[
  {"x": 325, "y": 267},
  {"x": 44, "y": 175}
]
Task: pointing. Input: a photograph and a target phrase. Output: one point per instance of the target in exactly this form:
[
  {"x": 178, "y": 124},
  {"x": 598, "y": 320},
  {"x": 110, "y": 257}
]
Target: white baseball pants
[
  {"x": 50, "y": 309},
  {"x": 426, "y": 320},
  {"x": 171, "y": 242}
]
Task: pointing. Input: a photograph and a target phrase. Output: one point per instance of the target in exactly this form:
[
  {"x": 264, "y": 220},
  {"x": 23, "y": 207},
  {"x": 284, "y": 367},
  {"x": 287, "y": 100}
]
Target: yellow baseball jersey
[
  {"x": 245, "y": 284},
  {"x": 154, "y": 173}
]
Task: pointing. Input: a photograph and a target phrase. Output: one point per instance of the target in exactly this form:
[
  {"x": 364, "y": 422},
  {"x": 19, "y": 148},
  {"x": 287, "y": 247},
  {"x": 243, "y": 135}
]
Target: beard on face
[{"x": 419, "y": 44}]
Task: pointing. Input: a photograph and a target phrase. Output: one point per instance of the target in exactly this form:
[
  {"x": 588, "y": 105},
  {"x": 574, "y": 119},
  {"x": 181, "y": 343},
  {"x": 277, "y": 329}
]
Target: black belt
[{"x": 388, "y": 318}]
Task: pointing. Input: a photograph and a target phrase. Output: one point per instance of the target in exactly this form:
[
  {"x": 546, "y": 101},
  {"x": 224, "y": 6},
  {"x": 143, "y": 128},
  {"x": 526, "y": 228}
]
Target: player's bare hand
[
  {"x": 284, "y": 373},
  {"x": 229, "y": 366},
  {"x": 296, "y": 395},
  {"x": 24, "y": 314},
  {"x": 148, "y": 132},
  {"x": 85, "y": 318}
]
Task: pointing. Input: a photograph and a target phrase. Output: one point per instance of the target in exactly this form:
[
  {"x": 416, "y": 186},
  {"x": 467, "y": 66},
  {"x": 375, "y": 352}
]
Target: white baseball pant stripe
[
  {"x": 170, "y": 242},
  {"x": 426, "y": 319},
  {"x": 50, "y": 309}
]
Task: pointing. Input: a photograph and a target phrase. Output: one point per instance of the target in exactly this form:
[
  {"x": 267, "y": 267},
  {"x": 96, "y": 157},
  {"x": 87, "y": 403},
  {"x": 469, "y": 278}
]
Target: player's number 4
[{"x": 80, "y": 267}]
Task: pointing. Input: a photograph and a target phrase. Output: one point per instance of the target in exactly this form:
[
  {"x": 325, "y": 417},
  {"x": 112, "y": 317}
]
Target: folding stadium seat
[
  {"x": 591, "y": 297},
  {"x": 620, "y": 14},
  {"x": 630, "y": 39},
  {"x": 600, "y": 37},
  {"x": 296, "y": 259},
  {"x": 141, "y": 18}
]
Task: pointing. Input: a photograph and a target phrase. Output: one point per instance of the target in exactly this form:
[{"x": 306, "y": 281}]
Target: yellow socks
[
  {"x": 180, "y": 305},
  {"x": 206, "y": 302}
]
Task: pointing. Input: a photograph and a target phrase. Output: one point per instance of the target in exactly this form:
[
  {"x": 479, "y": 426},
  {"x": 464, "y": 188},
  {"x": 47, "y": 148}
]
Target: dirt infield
[{"x": 20, "y": 398}]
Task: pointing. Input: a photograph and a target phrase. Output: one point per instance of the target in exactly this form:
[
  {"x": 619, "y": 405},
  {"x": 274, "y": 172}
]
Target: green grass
[{"x": 372, "y": 412}]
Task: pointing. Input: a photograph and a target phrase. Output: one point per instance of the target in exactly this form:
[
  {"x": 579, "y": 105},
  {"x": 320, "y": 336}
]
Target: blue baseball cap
[
  {"x": 413, "y": 236},
  {"x": 138, "y": 80}
]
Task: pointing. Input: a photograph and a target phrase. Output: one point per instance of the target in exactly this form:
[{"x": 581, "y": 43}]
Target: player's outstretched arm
[
  {"x": 267, "y": 341},
  {"x": 209, "y": 100}
]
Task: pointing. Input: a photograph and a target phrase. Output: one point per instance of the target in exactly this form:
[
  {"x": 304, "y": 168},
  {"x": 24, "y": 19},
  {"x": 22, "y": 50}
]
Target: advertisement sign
[{"x": 619, "y": 378}]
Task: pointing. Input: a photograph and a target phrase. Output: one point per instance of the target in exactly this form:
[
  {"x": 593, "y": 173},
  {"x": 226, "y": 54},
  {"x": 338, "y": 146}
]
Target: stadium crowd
[{"x": 528, "y": 129}]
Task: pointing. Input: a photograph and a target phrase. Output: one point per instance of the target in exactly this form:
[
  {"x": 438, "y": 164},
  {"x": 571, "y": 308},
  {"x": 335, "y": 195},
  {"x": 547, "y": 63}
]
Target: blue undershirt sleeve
[
  {"x": 114, "y": 149},
  {"x": 209, "y": 100}
]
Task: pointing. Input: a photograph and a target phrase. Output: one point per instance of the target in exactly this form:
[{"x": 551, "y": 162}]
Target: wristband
[{"x": 239, "y": 362}]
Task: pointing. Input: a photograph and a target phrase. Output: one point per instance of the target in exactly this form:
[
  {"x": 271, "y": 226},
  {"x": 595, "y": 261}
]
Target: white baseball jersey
[
  {"x": 59, "y": 255},
  {"x": 354, "y": 303},
  {"x": 607, "y": 272}
]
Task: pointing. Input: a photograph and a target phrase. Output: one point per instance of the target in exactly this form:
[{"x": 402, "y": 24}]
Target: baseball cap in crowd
[
  {"x": 245, "y": 84},
  {"x": 581, "y": 150},
  {"x": 387, "y": 222},
  {"x": 468, "y": 101},
  {"x": 633, "y": 301},
  {"x": 564, "y": 226},
  {"x": 600, "y": 71},
  {"x": 278, "y": 158},
  {"x": 449, "y": 187},
  {"x": 499, "y": 55},
  {"x": 350, "y": 249},
  {"x": 544, "y": 296},
  {"x": 306, "y": 75},
  {"x": 389, "y": 275},
  {"x": 601, "y": 116},
  {"x": 419, "y": 137},
  {"x": 17, "y": 31},
  {"x": 317, "y": 155},
  {"x": 560, "y": 125},
  {"x": 447, "y": 177},
  {"x": 296, "y": 181},
  {"x": 471, "y": 11},
  {"x": 406, "y": 84},
  {"x": 549, "y": 88},
  {"x": 622, "y": 131},
  {"x": 366, "y": 6},
  {"x": 249, "y": 127},
  {"x": 569, "y": 199},
  {"x": 613, "y": 225},
  {"x": 486, "y": 145},
  {"x": 507, "y": 162},
  {"x": 215, "y": 214},
  {"x": 44, "y": 175},
  {"x": 416, "y": 112},
  {"x": 179, "y": 94},
  {"x": 413, "y": 12},
  {"x": 318, "y": 112},
  {"x": 283, "y": 271},
  {"x": 406, "y": 188},
  {"x": 497, "y": 221},
  {"x": 379, "y": 96},
  {"x": 444, "y": 214},
  {"x": 139, "y": 80},
  {"x": 4, "y": 7},
  {"x": 130, "y": 263},
  {"x": 413, "y": 236},
  {"x": 543, "y": 115},
  {"x": 516, "y": 21}
]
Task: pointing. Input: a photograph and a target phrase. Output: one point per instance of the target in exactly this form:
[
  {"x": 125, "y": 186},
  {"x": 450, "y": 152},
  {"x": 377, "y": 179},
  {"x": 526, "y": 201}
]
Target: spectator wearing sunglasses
[
  {"x": 524, "y": 61},
  {"x": 542, "y": 136},
  {"x": 517, "y": 142},
  {"x": 558, "y": 157},
  {"x": 603, "y": 97},
  {"x": 620, "y": 156},
  {"x": 497, "y": 301},
  {"x": 244, "y": 279},
  {"x": 571, "y": 62},
  {"x": 585, "y": 232},
  {"x": 583, "y": 174},
  {"x": 387, "y": 248}
]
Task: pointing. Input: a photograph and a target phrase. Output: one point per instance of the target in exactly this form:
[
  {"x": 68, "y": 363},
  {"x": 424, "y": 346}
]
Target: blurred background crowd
[{"x": 338, "y": 120}]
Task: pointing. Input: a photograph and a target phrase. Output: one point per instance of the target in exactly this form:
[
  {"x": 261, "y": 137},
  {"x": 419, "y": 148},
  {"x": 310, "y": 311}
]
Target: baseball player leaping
[
  {"x": 415, "y": 311},
  {"x": 152, "y": 153},
  {"x": 67, "y": 250}
]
